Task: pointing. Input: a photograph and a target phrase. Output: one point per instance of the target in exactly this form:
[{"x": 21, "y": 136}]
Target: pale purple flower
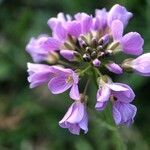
[
  {"x": 141, "y": 65},
  {"x": 118, "y": 12},
  {"x": 59, "y": 79},
  {"x": 63, "y": 80},
  {"x": 75, "y": 119},
  {"x": 115, "y": 68},
  {"x": 40, "y": 48},
  {"x": 122, "y": 95},
  {"x": 131, "y": 43},
  {"x": 87, "y": 44}
]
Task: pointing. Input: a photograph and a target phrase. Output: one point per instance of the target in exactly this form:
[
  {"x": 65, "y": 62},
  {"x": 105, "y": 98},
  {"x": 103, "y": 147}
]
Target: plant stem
[
  {"x": 83, "y": 71},
  {"x": 86, "y": 86}
]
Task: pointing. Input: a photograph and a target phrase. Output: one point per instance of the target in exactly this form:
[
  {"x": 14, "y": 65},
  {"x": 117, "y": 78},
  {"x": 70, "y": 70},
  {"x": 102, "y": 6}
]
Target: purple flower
[
  {"x": 141, "y": 65},
  {"x": 59, "y": 79},
  {"x": 75, "y": 119},
  {"x": 39, "y": 74},
  {"x": 113, "y": 67},
  {"x": 131, "y": 43},
  {"x": 40, "y": 48},
  {"x": 63, "y": 80},
  {"x": 121, "y": 95},
  {"x": 118, "y": 12}
]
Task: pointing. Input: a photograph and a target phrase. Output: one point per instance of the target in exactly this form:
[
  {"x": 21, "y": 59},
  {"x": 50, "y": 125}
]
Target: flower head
[{"x": 86, "y": 46}]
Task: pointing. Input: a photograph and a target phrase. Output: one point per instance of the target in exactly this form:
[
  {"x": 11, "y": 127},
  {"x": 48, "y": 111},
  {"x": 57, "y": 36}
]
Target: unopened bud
[
  {"x": 70, "y": 55},
  {"x": 96, "y": 62}
]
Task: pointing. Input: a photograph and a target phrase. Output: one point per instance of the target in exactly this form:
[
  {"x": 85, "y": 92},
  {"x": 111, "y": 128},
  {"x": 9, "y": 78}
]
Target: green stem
[
  {"x": 83, "y": 71},
  {"x": 86, "y": 86}
]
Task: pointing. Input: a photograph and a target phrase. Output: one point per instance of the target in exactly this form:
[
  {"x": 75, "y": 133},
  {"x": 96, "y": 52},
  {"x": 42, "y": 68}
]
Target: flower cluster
[{"x": 85, "y": 46}]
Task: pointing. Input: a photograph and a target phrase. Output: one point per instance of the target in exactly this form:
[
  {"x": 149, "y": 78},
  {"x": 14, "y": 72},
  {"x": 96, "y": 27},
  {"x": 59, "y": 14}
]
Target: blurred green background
[{"x": 29, "y": 117}]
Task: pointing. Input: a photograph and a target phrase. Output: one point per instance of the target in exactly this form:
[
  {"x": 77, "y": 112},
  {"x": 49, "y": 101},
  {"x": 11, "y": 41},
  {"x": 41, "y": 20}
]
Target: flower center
[
  {"x": 95, "y": 48},
  {"x": 69, "y": 79}
]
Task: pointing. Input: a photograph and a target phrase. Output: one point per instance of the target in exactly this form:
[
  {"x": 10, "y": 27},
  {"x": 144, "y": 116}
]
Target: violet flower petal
[
  {"x": 119, "y": 12},
  {"x": 115, "y": 68},
  {"x": 59, "y": 84},
  {"x": 117, "y": 29},
  {"x": 141, "y": 65},
  {"x": 132, "y": 43},
  {"x": 124, "y": 113}
]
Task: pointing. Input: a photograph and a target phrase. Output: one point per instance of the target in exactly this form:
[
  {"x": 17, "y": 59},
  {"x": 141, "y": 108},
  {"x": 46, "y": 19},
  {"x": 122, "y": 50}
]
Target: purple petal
[
  {"x": 74, "y": 28},
  {"x": 40, "y": 47},
  {"x": 116, "y": 115},
  {"x": 67, "y": 115},
  {"x": 86, "y": 21},
  {"x": 60, "y": 32},
  {"x": 115, "y": 68},
  {"x": 39, "y": 74},
  {"x": 100, "y": 20},
  {"x": 118, "y": 12},
  {"x": 51, "y": 44},
  {"x": 103, "y": 95},
  {"x": 68, "y": 54},
  {"x": 59, "y": 84},
  {"x": 123, "y": 93},
  {"x": 39, "y": 78},
  {"x": 141, "y": 65},
  {"x": 100, "y": 105},
  {"x": 74, "y": 92},
  {"x": 77, "y": 113},
  {"x": 83, "y": 124},
  {"x": 132, "y": 43},
  {"x": 74, "y": 129},
  {"x": 117, "y": 29},
  {"x": 118, "y": 87},
  {"x": 127, "y": 113}
]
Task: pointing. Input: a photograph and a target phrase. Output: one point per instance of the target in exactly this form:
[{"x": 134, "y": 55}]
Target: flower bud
[
  {"x": 69, "y": 54},
  {"x": 115, "y": 68},
  {"x": 96, "y": 62},
  {"x": 141, "y": 65}
]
